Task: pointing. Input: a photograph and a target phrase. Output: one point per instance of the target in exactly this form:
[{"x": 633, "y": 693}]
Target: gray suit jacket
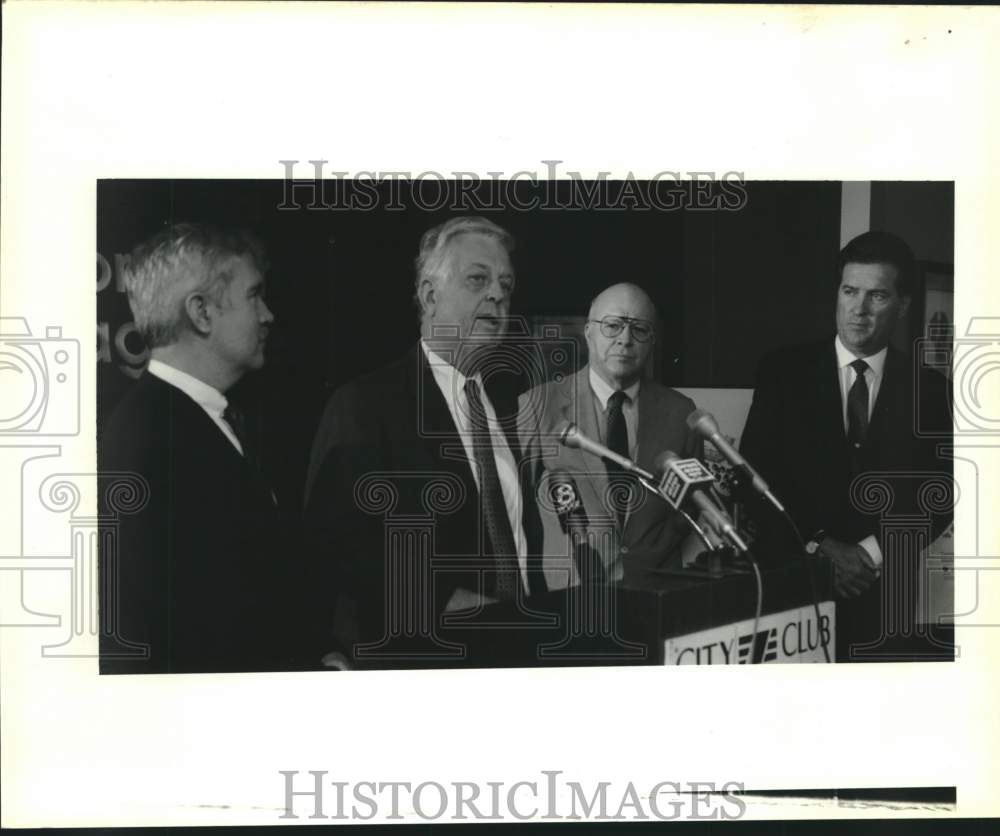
[{"x": 651, "y": 529}]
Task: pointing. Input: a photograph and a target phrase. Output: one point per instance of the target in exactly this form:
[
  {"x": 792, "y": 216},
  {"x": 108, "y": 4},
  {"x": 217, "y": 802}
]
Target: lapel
[
  {"x": 432, "y": 417},
  {"x": 824, "y": 390},
  {"x": 431, "y": 421},
  {"x": 189, "y": 425},
  {"x": 829, "y": 407},
  {"x": 504, "y": 400},
  {"x": 890, "y": 394},
  {"x": 654, "y": 418}
]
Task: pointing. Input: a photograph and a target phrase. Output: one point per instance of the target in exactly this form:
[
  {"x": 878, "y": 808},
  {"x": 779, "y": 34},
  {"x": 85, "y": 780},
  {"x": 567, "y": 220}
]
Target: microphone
[
  {"x": 705, "y": 425},
  {"x": 570, "y": 436},
  {"x": 682, "y": 482},
  {"x": 565, "y": 499}
]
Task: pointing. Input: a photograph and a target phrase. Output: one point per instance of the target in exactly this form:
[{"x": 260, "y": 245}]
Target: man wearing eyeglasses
[{"x": 609, "y": 400}]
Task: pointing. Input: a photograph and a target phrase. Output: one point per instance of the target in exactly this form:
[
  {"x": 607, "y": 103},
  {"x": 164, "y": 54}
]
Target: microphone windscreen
[
  {"x": 702, "y": 421},
  {"x": 563, "y": 495},
  {"x": 564, "y": 499},
  {"x": 566, "y": 431},
  {"x": 680, "y": 477},
  {"x": 662, "y": 461}
]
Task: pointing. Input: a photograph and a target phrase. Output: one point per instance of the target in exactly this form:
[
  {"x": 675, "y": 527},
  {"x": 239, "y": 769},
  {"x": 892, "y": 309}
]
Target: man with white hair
[
  {"x": 194, "y": 576},
  {"x": 437, "y": 429}
]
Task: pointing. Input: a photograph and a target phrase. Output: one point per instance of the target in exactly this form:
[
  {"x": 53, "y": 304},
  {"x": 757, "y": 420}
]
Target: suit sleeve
[
  {"x": 761, "y": 444},
  {"x": 135, "y": 563},
  {"x": 932, "y": 493},
  {"x": 335, "y": 424},
  {"x": 346, "y": 447},
  {"x": 528, "y": 421},
  {"x": 345, "y": 544},
  {"x": 532, "y": 468},
  {"x": 937, "y": 431}
]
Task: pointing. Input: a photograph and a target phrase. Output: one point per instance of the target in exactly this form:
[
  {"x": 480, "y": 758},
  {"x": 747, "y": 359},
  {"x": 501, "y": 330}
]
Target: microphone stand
[
  {"x": 744, "y": 485},
  {"x": 697, "y": 528}
]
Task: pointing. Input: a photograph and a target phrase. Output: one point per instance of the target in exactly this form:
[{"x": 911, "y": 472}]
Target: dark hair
[{"x": 881, "y": 248}]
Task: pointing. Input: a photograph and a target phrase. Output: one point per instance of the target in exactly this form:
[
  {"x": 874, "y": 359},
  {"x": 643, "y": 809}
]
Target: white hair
[
  {"x": 432, "y": 259},
  {"x": 180, "y": 260}
]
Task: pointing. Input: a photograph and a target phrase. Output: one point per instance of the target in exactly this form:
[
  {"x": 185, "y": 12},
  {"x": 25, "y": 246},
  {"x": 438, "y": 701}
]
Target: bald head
[
  {"x": 623, "y": 299},
  {"x": 619, "y": 358}
]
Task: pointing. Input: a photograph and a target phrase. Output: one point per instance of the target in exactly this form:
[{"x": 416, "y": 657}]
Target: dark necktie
[
  {"x": 234, "y": 416},
  {"x": 617, "y": 428},
  {"x": 857, "y": 406},
  {"x": 617, "y": 440},
  {"x": 494, "y": 509}
]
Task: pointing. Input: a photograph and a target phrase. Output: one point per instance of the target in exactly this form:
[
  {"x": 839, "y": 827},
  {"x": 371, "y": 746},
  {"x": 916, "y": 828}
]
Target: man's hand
[{"x": 853, "y": 569}]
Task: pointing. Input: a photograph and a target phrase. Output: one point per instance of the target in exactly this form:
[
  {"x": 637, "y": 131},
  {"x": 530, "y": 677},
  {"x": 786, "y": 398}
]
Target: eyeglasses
[{"x": 612, "y": 326}]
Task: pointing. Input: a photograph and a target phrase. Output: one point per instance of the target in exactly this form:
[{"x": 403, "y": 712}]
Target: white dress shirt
[
  {"x": 207, "y": 397},
  {"x": 630, "y": 409},
  {"x": 873, "y": 377},
  {"x": 451, "y": 382}
]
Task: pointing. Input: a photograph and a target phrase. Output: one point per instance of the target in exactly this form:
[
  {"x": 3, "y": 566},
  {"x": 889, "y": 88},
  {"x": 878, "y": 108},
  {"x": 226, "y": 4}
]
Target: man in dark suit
[
  {"x": 414, "y": 495},
  {"x": 610, "y": 401},
  {"x": 844, "y": 432},
  {"x": 194, "y": 577}
]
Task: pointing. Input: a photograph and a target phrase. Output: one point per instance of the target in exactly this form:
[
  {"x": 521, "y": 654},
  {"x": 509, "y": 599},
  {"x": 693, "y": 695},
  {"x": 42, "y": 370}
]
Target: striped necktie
[{"x": 491, "y": 501}]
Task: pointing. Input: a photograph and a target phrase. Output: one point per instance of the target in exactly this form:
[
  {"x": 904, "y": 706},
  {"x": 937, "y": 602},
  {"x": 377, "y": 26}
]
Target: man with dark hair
[
  {"x": 877, "y": 247},
  {"x": 194, "y": 577},
  {"x": 844, "y": 432},
  {"x": 414, "y": 494}
]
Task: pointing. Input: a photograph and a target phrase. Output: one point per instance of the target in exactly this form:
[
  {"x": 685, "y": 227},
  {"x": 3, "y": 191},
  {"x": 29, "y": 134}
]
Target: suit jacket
[
  {"x": 199, "y": 573},
  {"x": 651, "y": 528},
  {"x": 389, "y": 476},
  {"x": 795, "y": 436}
]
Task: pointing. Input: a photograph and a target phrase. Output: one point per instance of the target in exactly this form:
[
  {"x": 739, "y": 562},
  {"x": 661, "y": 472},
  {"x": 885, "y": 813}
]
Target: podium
[{"x": 658, "y": 618}]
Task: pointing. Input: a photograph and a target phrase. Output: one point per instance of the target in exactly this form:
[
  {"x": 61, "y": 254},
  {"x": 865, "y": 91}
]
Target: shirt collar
[
  {"x": 876, "y": 362},
  {"x": 200, "y": 392},
  {"x": 448, "y": 378},
  {"x": 604, "y": 391}
]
